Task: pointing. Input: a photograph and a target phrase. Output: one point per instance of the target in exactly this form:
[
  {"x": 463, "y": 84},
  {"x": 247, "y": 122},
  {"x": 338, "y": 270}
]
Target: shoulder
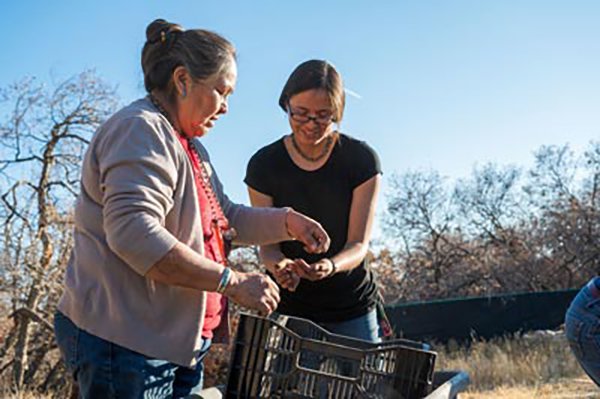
[
  {"x": 137, "y": 127},
  {"x": 138, "y": 120},
  {"x": 357, "y": 149},
  {"x": 141, "y": 115}
]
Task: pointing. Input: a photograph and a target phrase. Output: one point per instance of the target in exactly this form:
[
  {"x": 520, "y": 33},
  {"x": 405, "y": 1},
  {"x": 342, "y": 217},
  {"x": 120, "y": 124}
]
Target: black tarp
[{"x": 484, "y": 317}]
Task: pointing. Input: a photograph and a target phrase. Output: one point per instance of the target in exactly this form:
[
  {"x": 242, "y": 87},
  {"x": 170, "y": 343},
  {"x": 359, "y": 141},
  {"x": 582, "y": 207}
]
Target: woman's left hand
[
  {"x": 307, "y": 231},
  {"x": 315, "y": 271}
]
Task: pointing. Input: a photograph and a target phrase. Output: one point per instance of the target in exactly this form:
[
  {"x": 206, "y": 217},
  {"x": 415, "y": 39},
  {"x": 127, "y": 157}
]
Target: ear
[{"x": 181, "y": 79}]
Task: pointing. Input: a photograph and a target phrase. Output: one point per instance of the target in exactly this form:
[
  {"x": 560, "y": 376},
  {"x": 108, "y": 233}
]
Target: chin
[
  {"x": 199, "y": 132},
  {"x": 312, "y": 138}
]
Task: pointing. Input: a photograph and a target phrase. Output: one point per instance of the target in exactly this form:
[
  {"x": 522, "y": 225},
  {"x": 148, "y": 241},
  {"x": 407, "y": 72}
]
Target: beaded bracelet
[
  {"x": 225, "y": 278},
  {"x": 333, "y": 267}
]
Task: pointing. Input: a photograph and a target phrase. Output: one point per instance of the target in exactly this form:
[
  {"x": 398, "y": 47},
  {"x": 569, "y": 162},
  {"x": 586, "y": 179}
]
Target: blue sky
[{"x": 443, "y": 85}]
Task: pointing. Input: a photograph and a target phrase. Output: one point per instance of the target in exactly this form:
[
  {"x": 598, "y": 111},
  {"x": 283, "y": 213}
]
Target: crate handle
[{"x": 330, "y": 349}]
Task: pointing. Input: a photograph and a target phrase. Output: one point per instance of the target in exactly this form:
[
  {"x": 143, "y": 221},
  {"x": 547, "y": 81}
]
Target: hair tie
[{"x": 163, "y": 36}]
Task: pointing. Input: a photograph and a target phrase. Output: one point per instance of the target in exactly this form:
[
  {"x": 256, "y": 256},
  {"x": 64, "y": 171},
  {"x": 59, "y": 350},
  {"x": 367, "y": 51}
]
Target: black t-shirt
[{"x": 325, "y": 195}]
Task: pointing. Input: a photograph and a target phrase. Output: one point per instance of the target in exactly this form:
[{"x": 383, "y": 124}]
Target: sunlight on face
[
  {"x": 310, "y": 114},
  {"x": 207, "y": 101}
]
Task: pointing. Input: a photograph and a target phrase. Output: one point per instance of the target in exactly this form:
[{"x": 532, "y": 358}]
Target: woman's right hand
[
  {"x": 285, "y": 274},
  {"x": 308, "y": 231},
  {"x": 255, "y": 291}
]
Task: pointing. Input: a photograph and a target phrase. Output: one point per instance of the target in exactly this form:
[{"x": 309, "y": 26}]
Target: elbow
[
  {"x": 161, "y": 274},
  {"x": 119, "y": 238},
  {"x": 361, "y": 249}
]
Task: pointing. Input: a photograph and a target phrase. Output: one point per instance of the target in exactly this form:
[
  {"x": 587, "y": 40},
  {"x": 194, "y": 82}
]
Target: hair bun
[{"x": 159, "y": 28}]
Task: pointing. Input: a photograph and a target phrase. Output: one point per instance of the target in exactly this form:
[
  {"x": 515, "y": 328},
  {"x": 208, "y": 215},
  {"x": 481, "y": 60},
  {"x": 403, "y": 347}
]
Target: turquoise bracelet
[{"x": 225, "y": 277}]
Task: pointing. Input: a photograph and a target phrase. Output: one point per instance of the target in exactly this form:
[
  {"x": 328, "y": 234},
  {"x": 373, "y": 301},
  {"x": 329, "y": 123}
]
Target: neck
[
  {"x": 313, "y": 152},
  {"x": 165, "y": 107}
]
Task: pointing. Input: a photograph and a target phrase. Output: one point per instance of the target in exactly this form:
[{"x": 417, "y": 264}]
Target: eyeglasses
[{"x": 322, "y": 118}]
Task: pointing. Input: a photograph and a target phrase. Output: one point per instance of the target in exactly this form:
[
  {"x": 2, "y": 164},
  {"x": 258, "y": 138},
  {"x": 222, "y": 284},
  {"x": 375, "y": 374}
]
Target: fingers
[
  {"x": 285, "y": 274},
  {"x": 302, "y": 266},
  {"x": 270, "y": 299},
  {"x": 309, "y": 232},
  {"x": 323, "y": 240},
  {"x": 316, "y": 241},
  {"x": 255, "y": 291},
  {"x": 285, "y": 281},
  {"x": 289, "y": 280}
]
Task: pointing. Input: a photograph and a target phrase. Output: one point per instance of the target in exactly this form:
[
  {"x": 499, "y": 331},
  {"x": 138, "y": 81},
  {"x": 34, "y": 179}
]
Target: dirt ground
[{"x": 577, "y": 388}]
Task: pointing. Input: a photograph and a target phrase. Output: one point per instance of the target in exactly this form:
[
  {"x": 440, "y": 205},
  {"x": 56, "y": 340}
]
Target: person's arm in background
[{"x": 362, "y": 213}]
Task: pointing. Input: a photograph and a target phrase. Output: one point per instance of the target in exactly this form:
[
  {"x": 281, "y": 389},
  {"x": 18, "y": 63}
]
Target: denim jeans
[
  {"x": 105, "y": 370},
  {"x": 582, "y": 328},
  {"x": 364, "y": 327}
]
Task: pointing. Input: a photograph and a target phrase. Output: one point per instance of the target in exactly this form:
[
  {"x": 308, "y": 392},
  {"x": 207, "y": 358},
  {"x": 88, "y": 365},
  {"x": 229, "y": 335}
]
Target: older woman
[
  {"x": 147, "y": 282},
  {"x": 333, "y": 178}
]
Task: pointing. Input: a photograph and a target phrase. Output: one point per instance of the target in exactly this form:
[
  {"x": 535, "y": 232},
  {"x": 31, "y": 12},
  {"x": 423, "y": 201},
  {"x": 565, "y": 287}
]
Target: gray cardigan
[{"x": 137, "y": 199}]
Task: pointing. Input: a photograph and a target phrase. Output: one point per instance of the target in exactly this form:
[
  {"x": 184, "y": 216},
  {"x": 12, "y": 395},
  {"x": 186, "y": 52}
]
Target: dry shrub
[
  {"x": 528, "y": 360},
  {"x": 574, "y": 388}
]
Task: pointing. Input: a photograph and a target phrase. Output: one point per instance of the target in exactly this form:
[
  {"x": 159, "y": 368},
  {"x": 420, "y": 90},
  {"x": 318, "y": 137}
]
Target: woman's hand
[
  {"x": 307, "y": 231},
  {"x": 315, "y": 271},
  {"x": 255, "y": 291},
  {"x": 285, "y": 274}
]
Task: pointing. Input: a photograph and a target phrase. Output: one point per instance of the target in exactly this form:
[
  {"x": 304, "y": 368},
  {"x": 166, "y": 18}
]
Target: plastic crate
[{"x": 289, "y": 357}]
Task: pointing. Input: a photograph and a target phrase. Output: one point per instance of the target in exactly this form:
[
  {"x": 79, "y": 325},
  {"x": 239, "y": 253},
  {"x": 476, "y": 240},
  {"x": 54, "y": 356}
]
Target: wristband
[
  {"x": 224, "y": 282},
  {"x": 334, "y": 268}
]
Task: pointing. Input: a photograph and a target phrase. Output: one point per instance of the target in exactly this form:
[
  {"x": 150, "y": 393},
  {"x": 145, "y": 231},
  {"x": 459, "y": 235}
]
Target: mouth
[{"x": 312, "y": 134}]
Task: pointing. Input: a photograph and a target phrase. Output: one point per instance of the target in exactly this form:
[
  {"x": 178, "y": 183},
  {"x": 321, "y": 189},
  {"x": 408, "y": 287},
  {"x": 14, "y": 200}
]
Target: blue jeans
[
  {"x": 103, "y": 369},
  {"x": 364, "y": 327},
  {"x": 582, "y": 328}
]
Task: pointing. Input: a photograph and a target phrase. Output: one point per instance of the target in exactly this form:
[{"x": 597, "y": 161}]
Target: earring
[{"x": 183, "y": 91}]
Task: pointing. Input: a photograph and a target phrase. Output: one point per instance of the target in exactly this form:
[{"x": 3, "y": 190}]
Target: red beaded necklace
[{"x": 220, "y": 224}]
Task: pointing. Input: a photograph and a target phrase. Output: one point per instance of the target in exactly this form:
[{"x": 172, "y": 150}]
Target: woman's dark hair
[
  {"x": 201, "y": 52},
  {"x": 316, "y": 74}
]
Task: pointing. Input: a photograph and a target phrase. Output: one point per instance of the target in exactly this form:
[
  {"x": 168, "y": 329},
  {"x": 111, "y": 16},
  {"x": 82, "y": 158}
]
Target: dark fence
[{"x": 485, "y": 317}]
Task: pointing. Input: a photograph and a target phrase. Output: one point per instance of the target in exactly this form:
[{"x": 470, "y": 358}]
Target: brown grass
[
  {"x": 538, "y": 365},
  {"x": 576, "y": 388}
]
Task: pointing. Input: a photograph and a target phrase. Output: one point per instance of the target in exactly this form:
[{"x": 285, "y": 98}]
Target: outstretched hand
[
  {"x": 307, "y": 231},
  {"x": 285, "y": 274},
  {"x": 314, "y": 271}
]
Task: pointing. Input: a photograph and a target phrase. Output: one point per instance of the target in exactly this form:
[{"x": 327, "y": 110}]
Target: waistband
[{"x": 593, "y": 288}]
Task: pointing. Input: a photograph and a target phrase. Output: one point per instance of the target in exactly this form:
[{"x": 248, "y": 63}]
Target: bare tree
[
  {"x": 500, "y": 230},
  {"x": 421, "y": 217},
  {"x": 42, "y": 140}
]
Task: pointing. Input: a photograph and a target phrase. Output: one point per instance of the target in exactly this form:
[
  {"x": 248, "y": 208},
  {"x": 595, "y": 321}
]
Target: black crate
[{"x": 288, "y": 357}]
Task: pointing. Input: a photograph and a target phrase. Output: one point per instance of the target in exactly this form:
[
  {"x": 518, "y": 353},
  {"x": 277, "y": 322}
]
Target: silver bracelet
[{"x": 224, "y": 282}]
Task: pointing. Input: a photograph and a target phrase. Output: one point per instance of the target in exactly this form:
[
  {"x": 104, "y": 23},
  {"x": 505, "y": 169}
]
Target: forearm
[
  {"x": 350, "y": 256},
  {"x": 262, "y": 226},
  {"x": 183, "y": 267}
]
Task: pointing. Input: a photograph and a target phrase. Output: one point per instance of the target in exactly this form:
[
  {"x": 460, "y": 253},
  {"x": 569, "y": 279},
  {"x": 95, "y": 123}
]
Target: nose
[{"x": 224, "y": 107}]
